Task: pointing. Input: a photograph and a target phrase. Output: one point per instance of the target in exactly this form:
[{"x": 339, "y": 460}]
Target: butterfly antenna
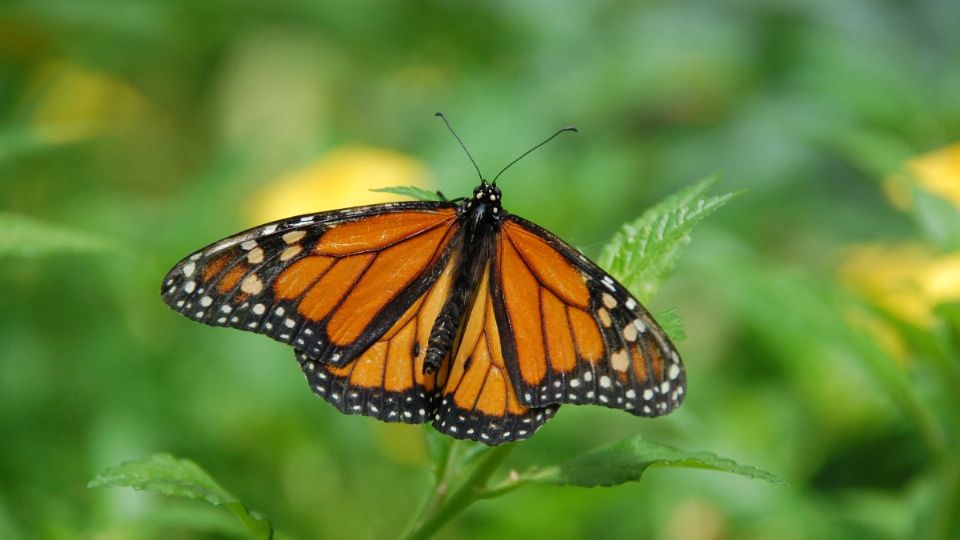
[
  {"x": 459, "y": 140},
  {"x": 523, "y": 155}
]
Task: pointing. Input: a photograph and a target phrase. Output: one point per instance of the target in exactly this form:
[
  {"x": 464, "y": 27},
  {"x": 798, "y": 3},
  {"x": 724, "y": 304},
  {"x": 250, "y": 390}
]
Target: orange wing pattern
[
  {"x": 571, "y": 334},
  {"x": 516, "y": 321},
  {"x": 330, "y": 284},
  {"x": 478, "y": 400},
  {"x": 387, "y": 380}
]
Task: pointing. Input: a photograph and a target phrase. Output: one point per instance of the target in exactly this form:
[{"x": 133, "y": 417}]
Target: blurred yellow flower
[
  {"x": 937, "y": 172},
  {"x": 908, "y": 280},
  {"x": 341, "y": 178},
  {"x": 72, "y": 102}
]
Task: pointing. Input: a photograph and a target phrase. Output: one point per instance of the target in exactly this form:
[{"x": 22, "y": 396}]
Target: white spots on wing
[
  {"x": 199, "y": 314},
  {"x": 248, "y": 245},
  {"x": 279, "y": 311},
  {"x": 588, "y": 376},
  {"x": 619, "y": 361},
  {"x": 270, "y": 229},
  {"x": 605, "y": 319},
  {"x": 189, "y": 268},
  {"x": 335, "y": 357},
  {"x": 630, "y": 333},
  {"x": 496, "y": 210},
  {"x": 640, "y": 326},
  {"x": 665, "y": 387},
  {"x": 255, "y": 256},
  {"x": 674, "y": 371},
  {"x": 225, "y": 308},
  {"x": 179, "y": 303},
  {"x": 206, "y": 301},
  {"x": 631, "y": 304},
  {"x": 603, "y": 398},
  {"x": 252, "y": 325},
  {"x": 609, "y": 283},
  {"x": 293, "y": 237},
  {"x": 648, "y": 394},
  {"x": 605, "y": 382},
  {"x": 306, "y": 219},
  {"x": 291, "y": 252},
  {"x": 574, "y": 383},
  {"x": 196, "y": 256},
  {"x": 290, "y": 323},
  {"x": 609, "y": 301},
  {"x": 630, "y": 394},
  {"x": 189, "y": 286},
  {"x": 259, "y": 309},
  {"x": 221, "y": 320},
  {"x": 251, "y": 284}
]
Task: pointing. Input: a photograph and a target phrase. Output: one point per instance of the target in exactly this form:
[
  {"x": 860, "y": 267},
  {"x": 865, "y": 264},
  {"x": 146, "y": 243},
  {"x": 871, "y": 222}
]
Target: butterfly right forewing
[{"x": 572, "y": 334}]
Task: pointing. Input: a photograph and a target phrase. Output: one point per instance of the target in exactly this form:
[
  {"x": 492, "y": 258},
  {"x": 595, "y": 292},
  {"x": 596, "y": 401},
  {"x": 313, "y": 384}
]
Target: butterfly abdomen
[{"x": 480, "y": 228}]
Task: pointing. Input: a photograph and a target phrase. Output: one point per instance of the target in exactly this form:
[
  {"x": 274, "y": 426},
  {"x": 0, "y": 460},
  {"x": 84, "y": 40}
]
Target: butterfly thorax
[{"x": 481, "y": 215}]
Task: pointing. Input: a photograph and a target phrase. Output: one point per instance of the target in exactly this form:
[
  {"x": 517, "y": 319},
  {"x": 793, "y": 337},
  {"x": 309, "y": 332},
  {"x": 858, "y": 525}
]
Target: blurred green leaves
[
  {"x": 21, "y": 236},
  {"x": 165, "y": 474}
]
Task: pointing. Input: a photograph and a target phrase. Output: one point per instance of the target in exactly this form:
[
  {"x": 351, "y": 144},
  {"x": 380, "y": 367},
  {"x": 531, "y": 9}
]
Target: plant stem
[{"x": 469, "y": 491}]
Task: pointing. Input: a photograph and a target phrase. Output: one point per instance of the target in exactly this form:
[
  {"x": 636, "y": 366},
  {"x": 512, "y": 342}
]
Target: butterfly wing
[
  {"x": 477, "y": 400},
  {"x": 387, "y": 380},
  {"x": 330, "y": 284},
  {"x": 572, "y": 334}
]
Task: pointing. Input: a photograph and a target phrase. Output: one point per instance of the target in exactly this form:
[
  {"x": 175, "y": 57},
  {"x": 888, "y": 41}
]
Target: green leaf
[
  {"x": 670, "y": 322},
  {"x": 22, "y": 236},
  {"x": 643, "y": 253},
  {"x": 938, "y": 218},
  {"x": 411, "y": 191},
  {"x": 165, "y": 474},
  {"x": 627, "y": 460}
]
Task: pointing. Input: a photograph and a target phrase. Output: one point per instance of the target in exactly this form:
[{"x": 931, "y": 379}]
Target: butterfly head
[{"x": 484, "y": 205}]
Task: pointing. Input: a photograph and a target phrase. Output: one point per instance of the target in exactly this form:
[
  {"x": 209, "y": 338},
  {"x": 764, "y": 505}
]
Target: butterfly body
[
  {"x": 481, "y": 215},
  {"x": 454, "y": 312}
]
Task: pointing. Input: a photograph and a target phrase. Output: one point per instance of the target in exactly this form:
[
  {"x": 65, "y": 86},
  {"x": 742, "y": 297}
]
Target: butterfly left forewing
[
  {"x": 329, "y": 284},
  {"x": 572, "y": 334}
]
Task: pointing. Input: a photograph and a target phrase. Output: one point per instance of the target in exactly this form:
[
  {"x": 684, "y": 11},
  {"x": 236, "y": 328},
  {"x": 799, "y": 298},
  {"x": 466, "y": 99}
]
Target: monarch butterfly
[{"x": 451, "y": 311}]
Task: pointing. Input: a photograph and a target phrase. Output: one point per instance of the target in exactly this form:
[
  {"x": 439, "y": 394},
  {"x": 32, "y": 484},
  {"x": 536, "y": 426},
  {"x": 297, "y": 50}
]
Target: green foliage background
[{"x": 807, "y": 104}]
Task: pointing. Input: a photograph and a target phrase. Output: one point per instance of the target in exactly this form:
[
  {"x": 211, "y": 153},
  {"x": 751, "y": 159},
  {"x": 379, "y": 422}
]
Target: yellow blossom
[
  {"x": 72, "y": 102},
  {"x": 341, "y": 178},
  {"x": 936, "y": 172},
  {"x": 908, "y": 280}
]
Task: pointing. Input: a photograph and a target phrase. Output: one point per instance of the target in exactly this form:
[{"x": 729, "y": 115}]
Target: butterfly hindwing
[
  {"x": 387, "y": 380},
  {"x": 477, "y": 399},
  {"x": 572, "y": 334},
  {"x": 329, "y": 284}
]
